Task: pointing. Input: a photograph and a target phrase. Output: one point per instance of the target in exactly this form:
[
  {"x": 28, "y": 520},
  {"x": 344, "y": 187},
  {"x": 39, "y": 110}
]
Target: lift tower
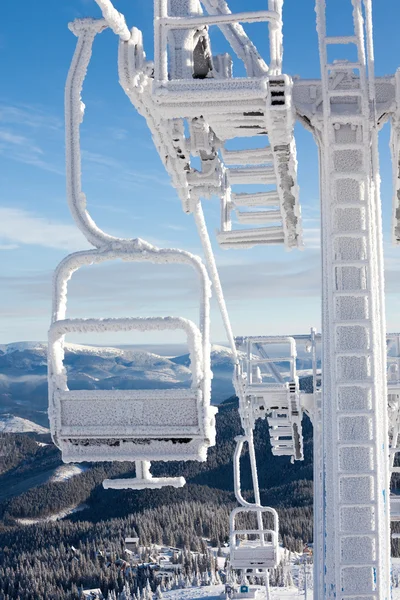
[{"x": 355, "y": 556}]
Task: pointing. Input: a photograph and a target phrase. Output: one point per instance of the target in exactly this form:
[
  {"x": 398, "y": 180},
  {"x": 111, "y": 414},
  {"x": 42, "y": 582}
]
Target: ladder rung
[
  {"x": 350, "y": 263},
  {"x": 276, "y": 431},
  {"x": 258, "y": 199},
  {"x": 356, "y": 354},
  {"x": 341, "y": 39},
  {"x": 257, "y": 361},
  {"x": 254, "y": 156},
  {"x": 354, "y": 382},
  {"x": 361, "y": 505},
  {"x": 357, "y": 383},
  {"x": 345, "y": 93},
  {"x": 347, "y": 294},
  {"x": 187, "y": 22},
  {"x": 356, "y": 413},
  {"x": 360, "y": 204},
  {"x": 343, "y": 66},
  {"x": 352, "y": 234},
  {"x": 247, "y": 238},
  {"x": 347, "y": 146},
  {"x": 357, "y": 596},
  {"x": 347, "y": 119},
  {"x": 251, "y": 175},
  {"x": 357, "y": 175},
  {"x": 259, "y": 217},
  {"x": 395, "y": 470},
  {"x": 345, "y": 565}
]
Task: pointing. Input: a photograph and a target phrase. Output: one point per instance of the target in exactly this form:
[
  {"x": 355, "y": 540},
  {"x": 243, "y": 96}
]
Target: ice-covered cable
[
  {"x": 213, "y": 272},
  {"x": 115, "y": 20},
  {"x": 238, "y": 39}
]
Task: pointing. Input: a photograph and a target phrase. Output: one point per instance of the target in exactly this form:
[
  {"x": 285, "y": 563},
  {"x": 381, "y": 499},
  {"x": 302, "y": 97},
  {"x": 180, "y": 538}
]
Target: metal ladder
[{"x": 356, "y": 482}]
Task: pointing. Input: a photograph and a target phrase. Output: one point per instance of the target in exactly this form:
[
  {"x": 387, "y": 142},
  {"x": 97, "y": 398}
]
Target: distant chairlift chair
[
  {"x": 253, "y": 548},
  {"x": 270, "y": 394}
]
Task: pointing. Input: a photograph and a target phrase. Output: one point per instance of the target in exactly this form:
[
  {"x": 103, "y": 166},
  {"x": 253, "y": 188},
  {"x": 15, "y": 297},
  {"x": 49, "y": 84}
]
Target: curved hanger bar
[
  {"x": 240, "y": 440},
  {"x": 115, "y": 20},
  {"x": 136, "y": 253},
  {"x": 85, "y": 30}
]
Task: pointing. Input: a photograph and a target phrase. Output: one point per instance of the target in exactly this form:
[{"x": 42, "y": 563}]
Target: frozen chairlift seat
[
  {"x": 260, "y": 552},
  {"x": 131, "y": 425},
  {"x": 187, "y": 89},
  {"x": 271, "y": 393}
]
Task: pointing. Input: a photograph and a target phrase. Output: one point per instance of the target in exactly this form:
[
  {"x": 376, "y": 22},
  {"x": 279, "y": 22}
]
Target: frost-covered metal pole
[{"x": 354, "y": 414}]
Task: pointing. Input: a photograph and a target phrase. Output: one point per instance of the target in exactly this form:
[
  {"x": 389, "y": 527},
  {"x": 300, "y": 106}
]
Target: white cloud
[
  {"x": 8, "y": 246},
  {"x": 20, "y": 227}
]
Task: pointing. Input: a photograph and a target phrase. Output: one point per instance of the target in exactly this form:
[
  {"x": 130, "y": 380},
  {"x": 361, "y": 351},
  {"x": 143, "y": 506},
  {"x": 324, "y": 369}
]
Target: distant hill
[
  {"x": 11, "y": 424},
  {"x": 23, "y": 374}
]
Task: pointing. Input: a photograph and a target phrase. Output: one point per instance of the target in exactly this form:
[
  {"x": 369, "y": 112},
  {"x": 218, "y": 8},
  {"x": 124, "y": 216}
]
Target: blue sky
[{"x": 268, "y": 290}]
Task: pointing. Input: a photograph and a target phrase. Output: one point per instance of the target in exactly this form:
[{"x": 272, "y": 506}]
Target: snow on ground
[
  {"x": 11, "y": 424},
  {"x": 67, "y": 471},
  {"x": 213, "y": 592},
  {"x": 195, "y": 593},
  {"x": 54, "y": 517}
]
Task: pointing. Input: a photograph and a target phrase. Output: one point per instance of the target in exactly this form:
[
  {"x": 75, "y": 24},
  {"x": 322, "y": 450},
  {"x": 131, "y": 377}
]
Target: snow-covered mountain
[
  {"x": 23, "y": 373},
  {"x": 11, "y": 424}
]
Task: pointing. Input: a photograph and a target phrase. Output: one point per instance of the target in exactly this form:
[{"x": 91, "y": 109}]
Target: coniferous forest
[{"x": 53, "y": 560}]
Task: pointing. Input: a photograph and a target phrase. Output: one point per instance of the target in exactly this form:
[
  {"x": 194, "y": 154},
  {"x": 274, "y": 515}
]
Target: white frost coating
[
  {"x": 190, "y": 90},
  {"x": 85, "y": 30},
  {"x": 258, "y": 553},
  {"x": 265, "y": 393},
  {"x": 354, "y": 418},
  {"x": 197, "y": 95},
  {"x": 83, "y": 415},
  {"x": 140, "y": 425},
  {"x": 395, "y": 150},
  {"x": 141, "y": 484},
  {"x": 143, "y": 479},
  {"x": 113, "y": 425},
  {"x": 212, "y": 267},
  {"x": 114, "y": 19}
]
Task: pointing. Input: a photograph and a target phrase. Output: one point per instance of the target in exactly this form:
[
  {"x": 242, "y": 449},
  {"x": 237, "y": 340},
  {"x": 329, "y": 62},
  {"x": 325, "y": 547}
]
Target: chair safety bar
[{"x": 256, "y": 510}]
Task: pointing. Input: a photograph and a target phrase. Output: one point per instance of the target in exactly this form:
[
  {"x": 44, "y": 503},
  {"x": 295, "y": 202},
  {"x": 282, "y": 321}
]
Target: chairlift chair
[
  {"x": 269, "y": 393},
  {"x": 194, "y": 105},
  {"x": 261, "y": 552},
  {"x": 131, "y": 425}
]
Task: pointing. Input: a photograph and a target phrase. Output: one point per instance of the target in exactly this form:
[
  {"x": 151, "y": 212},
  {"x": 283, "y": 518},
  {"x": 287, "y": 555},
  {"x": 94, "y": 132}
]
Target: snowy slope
[
  {"x": 11, "y": 424},
  {"x": 67, "y": 471}
]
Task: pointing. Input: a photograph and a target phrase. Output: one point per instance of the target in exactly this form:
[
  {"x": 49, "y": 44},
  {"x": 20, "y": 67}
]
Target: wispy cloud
[
  {"x": 120, "y": 172},
  {"x": 30, "y": 116},
  {"x": 20, "y": 129},
  {"x": 19, "y": 227},
  {"x": 24, "y": 150}
]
